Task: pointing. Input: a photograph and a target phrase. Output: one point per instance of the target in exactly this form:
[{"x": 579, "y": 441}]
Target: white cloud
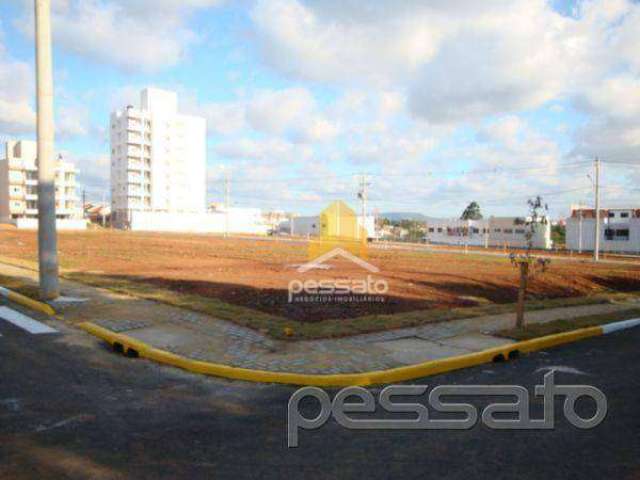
[
  {"x": 276, "y": 111},
  {"x": 132, "y": 34},
  {"x": 17, "y": 116},
  {"x": 72, "y": 120},
  {"x": 459, "y": 60},
  {"x": 223, "y": 118},
  {"x": 94, "y": 170},
  {"x": 269, "y": 150}
]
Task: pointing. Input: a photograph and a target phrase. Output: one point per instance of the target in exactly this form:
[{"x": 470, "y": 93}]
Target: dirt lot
[{"x": 256, "y": 273}]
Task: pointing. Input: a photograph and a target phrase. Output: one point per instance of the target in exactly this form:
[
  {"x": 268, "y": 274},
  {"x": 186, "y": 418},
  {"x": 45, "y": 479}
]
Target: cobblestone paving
[{"x": 201, "y": 337}]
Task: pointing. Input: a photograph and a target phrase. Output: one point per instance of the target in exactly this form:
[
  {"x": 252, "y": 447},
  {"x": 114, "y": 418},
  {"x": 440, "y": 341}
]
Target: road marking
[
  {"x": 24, "y": 322},
  {"x": 622, "y": 325}
]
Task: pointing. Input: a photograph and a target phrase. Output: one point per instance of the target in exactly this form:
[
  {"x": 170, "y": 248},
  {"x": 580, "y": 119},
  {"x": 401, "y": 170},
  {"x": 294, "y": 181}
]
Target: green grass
[
  {"x": 20, "y": 285},
  {"x": 274, "y": 325},
  {"x": 566, "y": 325}
]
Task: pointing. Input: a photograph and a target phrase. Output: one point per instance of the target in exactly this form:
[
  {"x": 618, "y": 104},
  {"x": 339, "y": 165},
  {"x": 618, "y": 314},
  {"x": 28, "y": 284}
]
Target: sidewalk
[{"x": 200, "y": 337}]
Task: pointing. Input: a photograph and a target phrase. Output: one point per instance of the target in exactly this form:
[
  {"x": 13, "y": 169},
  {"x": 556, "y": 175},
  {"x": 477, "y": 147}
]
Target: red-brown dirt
[{"x": 256, "y": 273}]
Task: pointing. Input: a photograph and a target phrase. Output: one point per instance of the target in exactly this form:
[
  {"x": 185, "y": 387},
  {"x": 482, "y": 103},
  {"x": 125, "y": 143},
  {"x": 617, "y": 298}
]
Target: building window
[
  {"x": 439, "y": 230},
  {"x": 475, "y": 230},
  {"x": 508, "y": 230},
  {"x": 624, "y": 215},
  {"x": 519, "y": 231},
  {"x": 497, "y": 230},
  {"x": 612, "y": 215},
  {"x": 622, "y": 234},
  {"x": 431, "y": 230}
]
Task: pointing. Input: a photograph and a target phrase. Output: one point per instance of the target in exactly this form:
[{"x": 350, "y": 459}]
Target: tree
[
  {"x": 472, "y": 212},
  {"x": 526, "y": 263}
]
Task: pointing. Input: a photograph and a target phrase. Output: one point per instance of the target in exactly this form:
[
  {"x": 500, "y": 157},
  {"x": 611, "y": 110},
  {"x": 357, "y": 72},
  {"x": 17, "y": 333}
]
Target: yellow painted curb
[
  {"x": 27, "y": 302},
  {"x": 393, "y": 375}
]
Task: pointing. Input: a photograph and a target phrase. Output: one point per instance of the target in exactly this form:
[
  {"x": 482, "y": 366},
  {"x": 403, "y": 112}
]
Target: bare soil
[{"x": 255, "y": 273}]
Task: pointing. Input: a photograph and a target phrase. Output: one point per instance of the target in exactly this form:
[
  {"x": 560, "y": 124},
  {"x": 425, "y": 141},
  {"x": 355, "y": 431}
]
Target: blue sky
[{"x": 441, "y": 103}]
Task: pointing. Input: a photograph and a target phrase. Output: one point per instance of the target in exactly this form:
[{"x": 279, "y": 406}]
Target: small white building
[
  {"x": 619, "y": 230},
  {"x": 454, "y": 231},
  {"x": 158, "y": 159},
  {"x": 503, "y": 232},
  {"x": 19, "y": 189},
  {"x": 310, "y": 226}
]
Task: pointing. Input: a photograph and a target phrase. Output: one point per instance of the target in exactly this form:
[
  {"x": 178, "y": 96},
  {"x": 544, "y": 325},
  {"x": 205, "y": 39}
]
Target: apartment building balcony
[
  {"x": 134, "y": 165},
  {"x": 135, "y": 152},
  {"x": 31, "y": 196},
  {"x": 16, "y": 164},
  {"x": 17, "y": 210},
  {"x": 31, "y": 181}
]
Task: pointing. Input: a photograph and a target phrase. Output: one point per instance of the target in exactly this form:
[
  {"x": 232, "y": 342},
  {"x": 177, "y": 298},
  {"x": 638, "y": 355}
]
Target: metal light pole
[{"x": 47, "y": 241}]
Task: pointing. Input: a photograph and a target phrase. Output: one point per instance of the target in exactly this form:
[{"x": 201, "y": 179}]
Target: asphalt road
[{"x": 69, "y": 408}]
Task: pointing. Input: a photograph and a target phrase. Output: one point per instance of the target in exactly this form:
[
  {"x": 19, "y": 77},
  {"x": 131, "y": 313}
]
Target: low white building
[
  {"x": 619, "y": 230},
  {"x": 504, "y": 232},
  {"x": 19, "y": 189},
  {"x": 457, "y": 232}
]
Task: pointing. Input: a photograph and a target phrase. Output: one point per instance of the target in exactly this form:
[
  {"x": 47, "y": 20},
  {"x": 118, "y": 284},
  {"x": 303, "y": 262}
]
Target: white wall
[
  {"x": 61, "y": 223},
  {"x": 588, "y": 235},
  {"x": 235, "y": 222},
  {"x": 491, "y": 232},
  {"x": 443, "y": 231}
]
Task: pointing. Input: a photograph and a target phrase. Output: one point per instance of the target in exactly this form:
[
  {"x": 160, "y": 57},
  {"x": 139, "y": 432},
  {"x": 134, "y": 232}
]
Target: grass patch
[
  {"x": 566, "y": 325},
  {"x": 22, "y": 286},
  {"x": 277, "y": 327},
  {"x": 283, "y": 328}
]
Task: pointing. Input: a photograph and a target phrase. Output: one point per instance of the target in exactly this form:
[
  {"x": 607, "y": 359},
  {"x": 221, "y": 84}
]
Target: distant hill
[{"x": 397, "y": 216}]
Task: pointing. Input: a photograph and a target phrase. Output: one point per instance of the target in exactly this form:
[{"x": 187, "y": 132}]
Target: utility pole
[
  {"x": 47, "y": 236},
  {"x": 103, "y": 208},
  {"x": 596, "y": 250},
  {"x": 363, "y": 194},
  {"x": 227, "y": 200},
  {"x": 84, "y": 203},
  {"x": 580, "y": 230}
]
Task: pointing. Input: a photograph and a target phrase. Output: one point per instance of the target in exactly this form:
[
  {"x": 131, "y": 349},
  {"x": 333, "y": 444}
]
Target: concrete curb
[
  {"x": 27, "y": 302},
  {"x": 135, "y": 348}
]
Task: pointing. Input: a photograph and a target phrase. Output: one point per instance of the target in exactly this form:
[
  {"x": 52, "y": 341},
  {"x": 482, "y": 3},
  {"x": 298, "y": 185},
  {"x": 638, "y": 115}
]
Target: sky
[{"x": 438, "y": 102}]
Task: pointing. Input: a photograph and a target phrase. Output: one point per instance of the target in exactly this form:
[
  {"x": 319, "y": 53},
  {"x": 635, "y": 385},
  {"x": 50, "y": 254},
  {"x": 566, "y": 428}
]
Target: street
[{"x": 70, "y": 408}]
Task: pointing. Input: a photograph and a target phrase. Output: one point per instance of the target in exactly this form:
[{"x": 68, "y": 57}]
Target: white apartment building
[
  {"x": 504, "y": 232},
  {"x": 619, "y": 229},
  {"x": 158, "y": 159},
  {"x": 19, "y": 188}
]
